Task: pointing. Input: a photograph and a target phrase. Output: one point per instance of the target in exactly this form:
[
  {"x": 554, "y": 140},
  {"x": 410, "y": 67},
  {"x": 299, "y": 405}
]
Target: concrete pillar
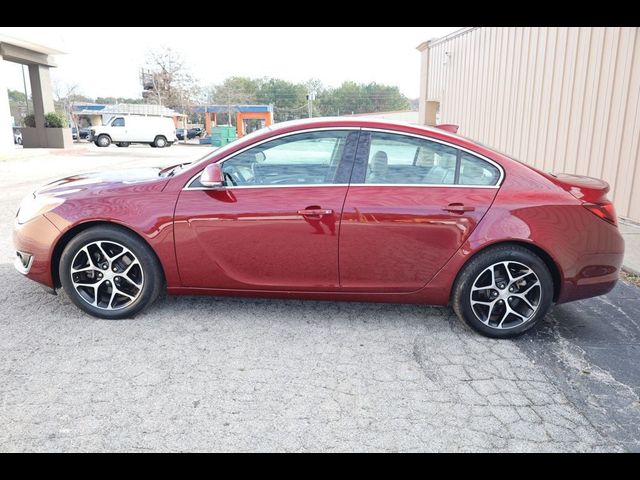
[
  {"x": 42, "y": 98},
  {"x": 424, "y": 83},
  {"x": 6, "y": 132}
]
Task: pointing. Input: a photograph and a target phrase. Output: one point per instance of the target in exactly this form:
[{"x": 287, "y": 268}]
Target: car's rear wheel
[
  {"x": 109, "y": 272},
  {"x": 103, "y": 141},
  {"x": 503, "y": 292},
  {"x": 160, "y": 142}
]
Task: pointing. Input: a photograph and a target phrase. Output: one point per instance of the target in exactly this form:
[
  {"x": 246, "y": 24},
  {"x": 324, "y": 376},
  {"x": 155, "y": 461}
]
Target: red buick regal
[{"x": 329, "y": 209}]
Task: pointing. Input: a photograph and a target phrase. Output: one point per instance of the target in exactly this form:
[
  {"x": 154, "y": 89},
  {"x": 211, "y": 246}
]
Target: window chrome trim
[
  {"x": 430, "y": 185},
  {"x": 498, "y": 184},
  {"x": 275, "y": 137}
]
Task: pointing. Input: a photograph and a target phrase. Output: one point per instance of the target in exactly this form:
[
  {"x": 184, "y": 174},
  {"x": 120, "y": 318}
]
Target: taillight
[{"x": 605, "y": 211}]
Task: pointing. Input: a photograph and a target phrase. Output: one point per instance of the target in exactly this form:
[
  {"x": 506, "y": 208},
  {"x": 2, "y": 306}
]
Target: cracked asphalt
[{"x": 231, "y": 374}]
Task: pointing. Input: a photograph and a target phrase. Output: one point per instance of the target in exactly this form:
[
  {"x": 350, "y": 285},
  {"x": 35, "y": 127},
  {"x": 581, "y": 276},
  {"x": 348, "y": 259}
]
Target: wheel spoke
[
  {"x": 120, "y": 292},
  {"x": 536, "y": 284},
  {"x": 113, "y": 294},
  {"x": 525, "y": 299},
  {"x": 504, "y": 316},
  {"x": 506, "y": 267},
  {"x": 90, "y": 268},
  {"x": 78, "y": 284},
  {"x": 129, "y": 267},
  {"x": 103, "y": 251}
]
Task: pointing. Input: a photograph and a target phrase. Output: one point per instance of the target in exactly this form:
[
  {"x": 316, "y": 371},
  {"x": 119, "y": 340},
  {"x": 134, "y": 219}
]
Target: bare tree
[
  {"x": 65, "y": 94},
  {"x": 172, "y": 83}
]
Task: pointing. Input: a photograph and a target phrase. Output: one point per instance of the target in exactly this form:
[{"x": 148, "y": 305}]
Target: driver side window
[{"x": 301, "y": 159}]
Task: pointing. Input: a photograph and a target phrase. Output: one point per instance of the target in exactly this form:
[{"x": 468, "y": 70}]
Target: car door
[
  {"x": 411, "y": 204},
  {"x": 119, "y": 130},
  {"x": 275, "y": 224}
]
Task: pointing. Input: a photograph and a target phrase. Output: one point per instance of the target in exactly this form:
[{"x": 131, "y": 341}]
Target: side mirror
[{"x": 212, "y": 176}]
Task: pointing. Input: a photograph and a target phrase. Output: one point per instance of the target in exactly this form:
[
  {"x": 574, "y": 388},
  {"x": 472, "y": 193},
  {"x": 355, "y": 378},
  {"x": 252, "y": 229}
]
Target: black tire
[
  {"x": 103, "y": 140},
  {"x": 471, "y": 272},
  {"x": 149, "y": 265},
  {"x": 123, "y": 144},
  {"x": 160, "y": 142},
  {"x": 152, "y": 145}
]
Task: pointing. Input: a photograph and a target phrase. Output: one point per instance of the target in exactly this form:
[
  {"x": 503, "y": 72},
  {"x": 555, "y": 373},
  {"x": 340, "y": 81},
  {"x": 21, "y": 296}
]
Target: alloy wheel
[
  {"x": 107, "y": 275},
  {"x": 506, "y": 295}
]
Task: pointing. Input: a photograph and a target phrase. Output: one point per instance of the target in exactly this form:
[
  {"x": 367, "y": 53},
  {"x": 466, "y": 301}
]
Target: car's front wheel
[
  {"x": 103, "y": 141},
  {"x": 109, "y": 272},
  {"x": 503, "y": 291}
]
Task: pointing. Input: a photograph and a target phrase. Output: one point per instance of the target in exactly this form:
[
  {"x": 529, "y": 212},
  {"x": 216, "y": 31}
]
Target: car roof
[{"x": 364, "y": 121}]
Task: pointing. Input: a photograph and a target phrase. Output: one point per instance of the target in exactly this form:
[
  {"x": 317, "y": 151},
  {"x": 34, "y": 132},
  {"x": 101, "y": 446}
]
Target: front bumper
[{"x": 36, "y": 238}]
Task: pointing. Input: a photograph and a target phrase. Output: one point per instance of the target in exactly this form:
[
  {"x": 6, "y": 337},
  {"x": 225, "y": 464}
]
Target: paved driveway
[{"x": 197, "y": 373}]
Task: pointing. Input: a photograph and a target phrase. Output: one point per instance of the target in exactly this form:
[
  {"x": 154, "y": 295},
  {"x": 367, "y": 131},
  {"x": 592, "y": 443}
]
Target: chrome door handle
[
  {"x": 458, "y": 208},
  {"x": 315, "y": 211}
]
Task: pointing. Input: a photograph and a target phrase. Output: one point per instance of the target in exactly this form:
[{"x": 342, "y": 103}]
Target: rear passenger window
[{"x": 399, "y": 159}]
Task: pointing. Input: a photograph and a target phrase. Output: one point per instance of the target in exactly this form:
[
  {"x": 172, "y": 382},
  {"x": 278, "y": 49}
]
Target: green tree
[
  {"x": 234, "y": 90},
  {"x": 351, "y": 97},
  {"x": 19, "y": 106},
  {"x": 289, "y": 100}
]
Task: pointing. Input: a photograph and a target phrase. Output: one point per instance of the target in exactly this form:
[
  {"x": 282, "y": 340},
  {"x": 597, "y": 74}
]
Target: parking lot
[{"x": 218, "y": 374}]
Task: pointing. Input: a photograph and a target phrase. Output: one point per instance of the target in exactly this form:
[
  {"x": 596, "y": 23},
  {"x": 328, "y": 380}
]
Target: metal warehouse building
[{"x": 564, "y": 99}]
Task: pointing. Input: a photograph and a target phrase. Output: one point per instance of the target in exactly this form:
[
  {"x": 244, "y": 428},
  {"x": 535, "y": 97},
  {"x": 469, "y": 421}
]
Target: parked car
[
  {"x": 74, "y": 133},
  {"x": 124, "y": 130},
  {"x": 191, "y": 133},
  {"x": 372, "y": 211},
  {"x": 85, "y": 133},
  {"x": 17, "y": 136}
]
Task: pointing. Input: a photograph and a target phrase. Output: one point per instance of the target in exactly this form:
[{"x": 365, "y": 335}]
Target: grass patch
[{"x": 631, "y": 278}]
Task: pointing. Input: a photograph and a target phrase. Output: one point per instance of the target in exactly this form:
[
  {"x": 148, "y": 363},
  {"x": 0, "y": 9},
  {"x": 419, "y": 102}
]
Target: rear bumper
[
  {"x": 597, "y": 275},
  {"x": 36, "y": 238}
]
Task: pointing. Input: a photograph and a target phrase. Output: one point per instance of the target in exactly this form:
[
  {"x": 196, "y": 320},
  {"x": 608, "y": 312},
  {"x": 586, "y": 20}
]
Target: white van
[{"x": 124, "y": 130}]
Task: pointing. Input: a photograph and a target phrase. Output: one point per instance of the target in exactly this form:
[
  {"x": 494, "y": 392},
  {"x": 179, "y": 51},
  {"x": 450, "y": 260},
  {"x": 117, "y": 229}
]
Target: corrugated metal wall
[{"x": 565, "y": 99}]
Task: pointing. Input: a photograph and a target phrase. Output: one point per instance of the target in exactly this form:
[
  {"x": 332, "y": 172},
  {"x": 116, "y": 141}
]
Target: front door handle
[
  {"x": 315, "y": 211},
  {"x": 458, "y": 208}
]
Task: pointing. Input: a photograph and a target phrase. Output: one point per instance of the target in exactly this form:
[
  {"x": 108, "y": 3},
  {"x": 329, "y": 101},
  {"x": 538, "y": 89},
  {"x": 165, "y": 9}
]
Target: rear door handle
[
  {"x": 458, "y": 208},
  {"x": 315, "y": 211}
]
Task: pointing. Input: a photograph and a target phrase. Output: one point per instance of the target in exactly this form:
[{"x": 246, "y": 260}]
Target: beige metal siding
[{"x": 560, "y": 98}]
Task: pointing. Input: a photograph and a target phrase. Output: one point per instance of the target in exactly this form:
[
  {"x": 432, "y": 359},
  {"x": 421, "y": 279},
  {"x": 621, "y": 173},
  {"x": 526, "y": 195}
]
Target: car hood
[{"x": 97, "y": 182}]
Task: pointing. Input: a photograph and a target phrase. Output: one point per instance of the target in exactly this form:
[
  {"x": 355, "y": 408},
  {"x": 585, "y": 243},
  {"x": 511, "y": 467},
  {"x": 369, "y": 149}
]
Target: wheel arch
[
  {"x": 64, "y": 240},
  {"x": 551, "y": 264}
]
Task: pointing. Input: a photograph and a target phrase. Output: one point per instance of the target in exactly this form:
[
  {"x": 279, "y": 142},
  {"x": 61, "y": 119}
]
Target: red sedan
[{"x": 331, "y": 209}]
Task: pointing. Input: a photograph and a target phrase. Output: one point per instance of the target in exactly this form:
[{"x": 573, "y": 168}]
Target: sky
[{"x": 106, "y": 61}]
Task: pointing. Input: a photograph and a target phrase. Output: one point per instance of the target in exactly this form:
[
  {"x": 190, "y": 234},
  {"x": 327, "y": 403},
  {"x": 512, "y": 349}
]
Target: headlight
[{"x": 31, "y": 206}]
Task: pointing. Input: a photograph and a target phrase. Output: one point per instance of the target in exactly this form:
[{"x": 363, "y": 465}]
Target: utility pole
[{"x": 311, "y": 96}]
